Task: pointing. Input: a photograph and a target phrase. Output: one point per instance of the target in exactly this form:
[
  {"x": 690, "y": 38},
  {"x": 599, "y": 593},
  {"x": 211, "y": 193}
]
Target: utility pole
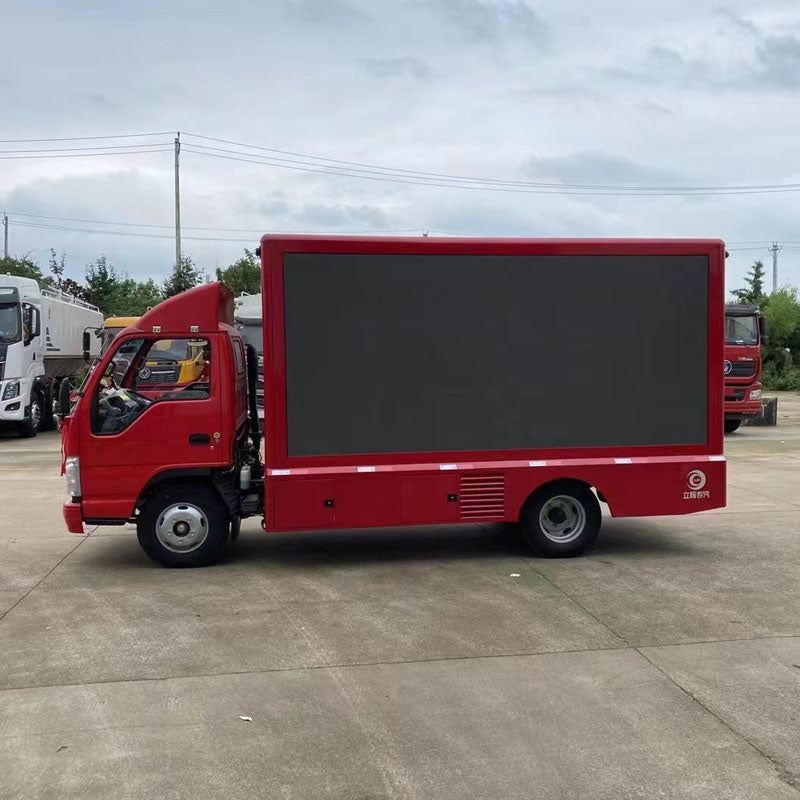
[
  {"x": 774, "y": 250},
  {"x": 177, "y": 199},
  {"x": 5, "y": 235}
]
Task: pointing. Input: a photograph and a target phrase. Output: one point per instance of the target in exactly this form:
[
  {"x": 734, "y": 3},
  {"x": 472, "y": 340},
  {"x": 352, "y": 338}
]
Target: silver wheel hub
[
  {"x": 562, "y": 518},
  {"x": 182, "y": 527},
  {"x": 36, "y": 413}
]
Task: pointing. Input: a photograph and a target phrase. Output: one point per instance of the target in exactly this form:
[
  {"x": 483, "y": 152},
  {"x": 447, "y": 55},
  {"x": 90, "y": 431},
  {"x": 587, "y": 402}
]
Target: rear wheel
[
  {"x": 183, "y": 525},
  {"x": 29, "y": 427},
  {"x": 50, "y": 407},
  {"x": 732, "y": 425},
  {"x": 561, "y": 520}
]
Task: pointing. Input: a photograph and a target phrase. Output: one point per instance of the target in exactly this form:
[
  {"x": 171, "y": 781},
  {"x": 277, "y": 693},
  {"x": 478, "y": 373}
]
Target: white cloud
[{"x": 655, "y": 93}]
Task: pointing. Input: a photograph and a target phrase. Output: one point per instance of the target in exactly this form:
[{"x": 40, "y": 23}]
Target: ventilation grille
[{"x": 482, "y": 496}]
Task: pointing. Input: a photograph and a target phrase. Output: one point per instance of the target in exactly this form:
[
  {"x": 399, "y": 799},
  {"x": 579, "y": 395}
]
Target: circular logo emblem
[
  {"x": 144, "y": 373},
  {"x": 728, "y": 367},
  {"x": 696, "y": 479}
]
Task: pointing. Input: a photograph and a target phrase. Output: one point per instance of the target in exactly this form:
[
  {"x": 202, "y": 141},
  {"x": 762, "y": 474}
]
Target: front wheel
[
  {"x": 561, "y": 520},
  {"x": 183, "y": 525},
  {"x": 29, "y": 427},
  {"x": 732, "y": 425}
]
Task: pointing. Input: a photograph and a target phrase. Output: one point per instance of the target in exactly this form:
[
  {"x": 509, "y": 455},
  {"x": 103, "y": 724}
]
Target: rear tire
[
  {"x": 561, "y": 520},
  {"x": 732, "y": 425},
  {"x": 183, "y": 525},
  {"x": 49, "y": 407},
  {"x": 30, "y": 426}
]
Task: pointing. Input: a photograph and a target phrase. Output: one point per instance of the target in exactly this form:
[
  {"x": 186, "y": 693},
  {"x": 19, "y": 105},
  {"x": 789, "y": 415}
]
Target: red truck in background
[
  {"x": 413, "y": 382},
  {"x": 745, "y": 332}
]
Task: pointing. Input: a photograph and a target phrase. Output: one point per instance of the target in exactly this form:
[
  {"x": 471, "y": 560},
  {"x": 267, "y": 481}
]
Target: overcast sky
[{"x": 611, "y": 92}]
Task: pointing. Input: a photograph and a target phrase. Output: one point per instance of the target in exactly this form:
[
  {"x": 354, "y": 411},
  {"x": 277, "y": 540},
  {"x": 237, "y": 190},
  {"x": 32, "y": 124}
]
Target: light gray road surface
[{"x": 407, "y": 663}]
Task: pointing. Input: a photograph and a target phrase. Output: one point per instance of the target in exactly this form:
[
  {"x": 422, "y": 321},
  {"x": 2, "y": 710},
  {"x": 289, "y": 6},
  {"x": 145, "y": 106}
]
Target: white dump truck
[{"x": 41, "y": 343}]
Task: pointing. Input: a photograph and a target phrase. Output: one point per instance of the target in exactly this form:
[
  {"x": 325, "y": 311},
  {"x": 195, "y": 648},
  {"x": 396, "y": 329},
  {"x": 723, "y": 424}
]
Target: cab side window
[
  {"x": 145, "y": 372},
  {"x": 175, "y": 369}
]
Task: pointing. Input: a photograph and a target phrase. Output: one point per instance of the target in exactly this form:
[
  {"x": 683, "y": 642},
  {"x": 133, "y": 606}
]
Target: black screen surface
[{"x": 416, "y": 353}]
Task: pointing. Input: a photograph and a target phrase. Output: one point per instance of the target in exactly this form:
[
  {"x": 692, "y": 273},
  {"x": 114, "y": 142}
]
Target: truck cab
[
  {"x": 22, "y": 386},
  {"x": 149, "y": 438},
  {"x": 745, "y": 332}
]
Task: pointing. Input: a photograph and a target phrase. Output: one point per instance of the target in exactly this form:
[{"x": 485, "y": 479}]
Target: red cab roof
[{"x": 201, "y": 309}]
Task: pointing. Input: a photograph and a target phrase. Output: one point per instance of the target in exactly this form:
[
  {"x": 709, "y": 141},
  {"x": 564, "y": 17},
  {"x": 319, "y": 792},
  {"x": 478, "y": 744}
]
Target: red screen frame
[{"x": 273, "y": 248}]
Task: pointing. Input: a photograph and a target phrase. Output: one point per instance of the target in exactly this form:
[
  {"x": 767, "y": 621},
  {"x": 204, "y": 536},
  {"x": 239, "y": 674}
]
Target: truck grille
[
  {"x": 741, "y": 369},
  {"x": 160, "y": 374},
  {"x": 482, "y": 496}
]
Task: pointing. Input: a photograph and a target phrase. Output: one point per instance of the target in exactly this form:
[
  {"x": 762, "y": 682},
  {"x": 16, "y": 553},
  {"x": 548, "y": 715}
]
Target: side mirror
[
  {"x": 36, "y": 327},
  {"x": 87, "y": 342},
  {"x": 762, "y": 329}
]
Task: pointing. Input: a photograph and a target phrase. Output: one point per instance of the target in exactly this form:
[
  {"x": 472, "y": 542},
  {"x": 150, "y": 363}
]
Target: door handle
[{"x": 199, "y": 439}]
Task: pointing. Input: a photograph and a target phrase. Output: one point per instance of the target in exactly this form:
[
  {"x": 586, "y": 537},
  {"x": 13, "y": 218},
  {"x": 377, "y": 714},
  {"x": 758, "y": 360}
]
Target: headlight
[
  {"x": 72, "y": 472},
  {"x": 755, "y": 394},
  {"x": 11, "y": 391}
]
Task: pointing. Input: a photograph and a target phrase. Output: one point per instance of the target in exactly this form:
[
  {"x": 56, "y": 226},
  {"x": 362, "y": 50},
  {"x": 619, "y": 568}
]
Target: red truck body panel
[{"x": 381, "y": 489}]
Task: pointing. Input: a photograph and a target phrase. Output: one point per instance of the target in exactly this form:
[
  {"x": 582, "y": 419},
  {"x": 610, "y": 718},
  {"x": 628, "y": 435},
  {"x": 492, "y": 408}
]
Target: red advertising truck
[
  {"x": 745, "y": 332},
  {"x": 416, "y": 382}
]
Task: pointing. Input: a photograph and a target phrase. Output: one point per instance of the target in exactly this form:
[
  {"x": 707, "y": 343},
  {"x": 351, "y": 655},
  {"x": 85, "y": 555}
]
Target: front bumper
[
  {"x": 73, "y": 516},
  {"x": 738, "y": 403}
]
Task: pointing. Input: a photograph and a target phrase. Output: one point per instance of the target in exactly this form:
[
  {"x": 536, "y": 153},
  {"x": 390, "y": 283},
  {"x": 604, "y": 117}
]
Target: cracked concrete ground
[{"x": 407, "y": 663}]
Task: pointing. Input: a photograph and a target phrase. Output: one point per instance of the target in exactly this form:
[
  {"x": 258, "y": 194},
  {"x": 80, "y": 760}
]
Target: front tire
[
  {"x": 561, "y": 520},
  {"x": 183, "y": 525},
  {"x": 30, "y": 427},
  {"x": 732, "y": 425}
]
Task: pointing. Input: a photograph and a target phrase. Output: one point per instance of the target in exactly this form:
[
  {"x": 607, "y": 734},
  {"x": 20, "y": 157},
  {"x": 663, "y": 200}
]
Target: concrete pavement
[{"x": 407, "y": 663}]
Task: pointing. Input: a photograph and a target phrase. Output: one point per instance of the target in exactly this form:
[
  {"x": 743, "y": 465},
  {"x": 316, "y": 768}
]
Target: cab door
[{"x": 149, "y": 419}]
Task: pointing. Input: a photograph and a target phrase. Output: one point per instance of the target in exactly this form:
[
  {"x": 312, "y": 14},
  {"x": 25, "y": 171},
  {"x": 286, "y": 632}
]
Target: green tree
[
  {"x": 74, "y": 288},
  {"x": 23, "y": 268},
  {"x": 753, "y": 292},
  {"x": 185, "y": 275},
  {"x": 103, "y": 286},
  {"x": 783, "y": 316},
  {"x": 140, "y": 296},
  {"x": 244, "y": 275},
  {"x": 57, "y": 268}
]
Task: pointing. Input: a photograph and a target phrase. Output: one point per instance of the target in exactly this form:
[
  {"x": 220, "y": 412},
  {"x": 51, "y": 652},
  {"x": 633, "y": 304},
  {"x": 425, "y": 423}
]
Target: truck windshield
[
  {"x": 10, "y": 328},
  {"x": 108, "y": 335},
  {"x": 741, "y": 330}
]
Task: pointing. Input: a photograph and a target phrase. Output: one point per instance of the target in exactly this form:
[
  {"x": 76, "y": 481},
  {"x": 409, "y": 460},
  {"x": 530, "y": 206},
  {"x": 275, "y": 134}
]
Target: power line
[
  {"x": 259, "y": 230},
  {"x": 75, "y": 149},
  {"x": 87, "y": 138},
  {"x": 557, "y": 189},
  {"x": 359, "y": 167},
  {"x": 91, "y": 155},
  {"x": 252, "y": 239}
]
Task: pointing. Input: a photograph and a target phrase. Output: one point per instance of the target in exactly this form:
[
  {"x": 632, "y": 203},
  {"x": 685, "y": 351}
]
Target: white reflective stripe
[
  {"x": 448, "y": 466},
  {"x": 623, "y": 460},
  {"x": 280, "y": 472},
  {"x": 716, "y": 458},
  {"x": 537, "y": 463},
  {"x": 366, "y": 469}
]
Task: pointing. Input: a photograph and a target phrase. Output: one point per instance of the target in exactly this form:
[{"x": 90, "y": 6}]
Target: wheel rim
[
  {"x": 36, "y": 414},
  {"x": 182, "y": 527},
  {"x": 562, "y": 518}
]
